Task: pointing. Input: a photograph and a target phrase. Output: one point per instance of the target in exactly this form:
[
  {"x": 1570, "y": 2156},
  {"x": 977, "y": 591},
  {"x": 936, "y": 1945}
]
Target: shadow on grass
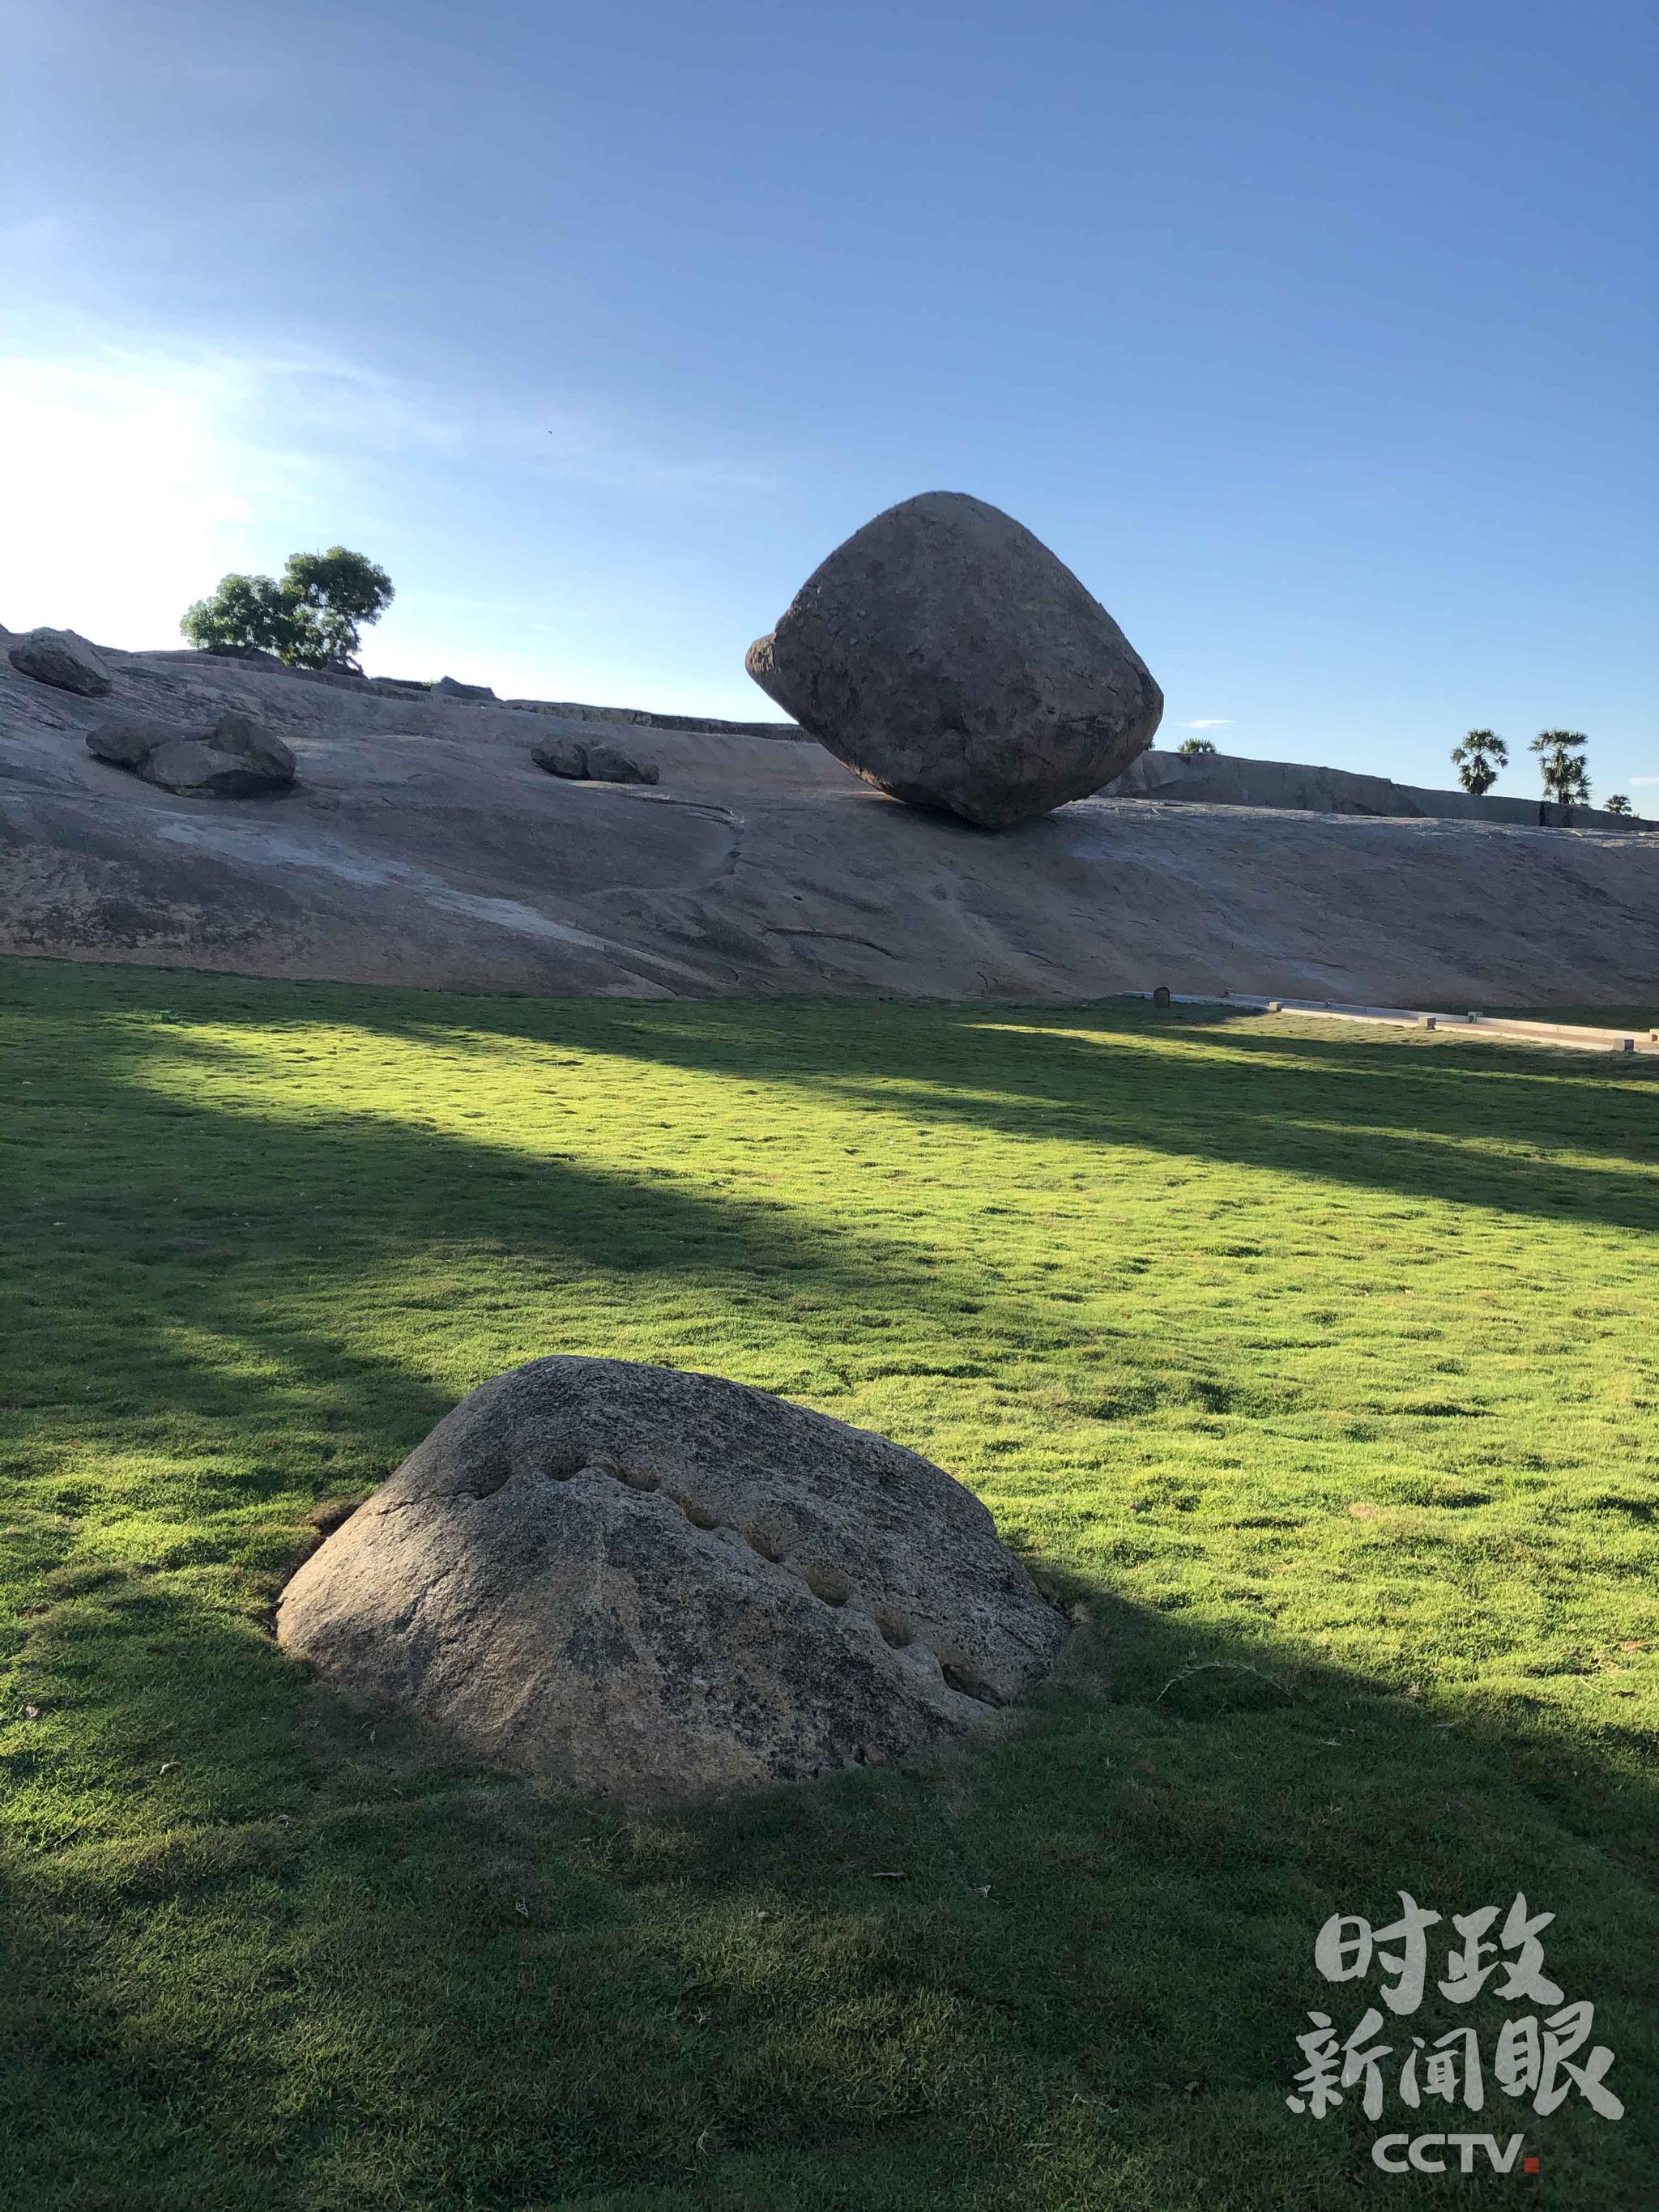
[
  {"x": 1416, "y": 1121},
  {"x": 266, "y": 1951},
  {"x": 1063, "y": 1966}
]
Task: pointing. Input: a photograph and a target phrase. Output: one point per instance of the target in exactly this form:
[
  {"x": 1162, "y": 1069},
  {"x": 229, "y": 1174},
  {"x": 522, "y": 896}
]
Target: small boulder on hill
[
  {"x": 947, "y": 656},
  {"x": 59, "y": 658},
  {"x": 448, "y": 687},
  {"x": 129, "y": 739},
  {"x": 654, "y": 1584},
  {"x": 582, "y": 760},
  {"x": 237, "y": 758}
]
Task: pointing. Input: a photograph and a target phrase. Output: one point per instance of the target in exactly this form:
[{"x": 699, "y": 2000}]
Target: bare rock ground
[{"x": 422, "y": 845}]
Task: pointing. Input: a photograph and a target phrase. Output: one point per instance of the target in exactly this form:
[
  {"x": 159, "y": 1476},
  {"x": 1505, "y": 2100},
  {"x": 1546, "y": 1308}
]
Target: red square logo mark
[{"x": 1529, "y": 2165}]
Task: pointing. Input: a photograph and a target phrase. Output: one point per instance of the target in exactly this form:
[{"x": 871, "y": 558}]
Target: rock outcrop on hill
[
  {"x": 591, "y": 760},
  {"x": 650, "y": 1584},
  {"x": 421, "y": 844},
  {"x": 59, "y": 658},
  {"x": 949, "y": 657},
  {"x": 236, "y": 758}
]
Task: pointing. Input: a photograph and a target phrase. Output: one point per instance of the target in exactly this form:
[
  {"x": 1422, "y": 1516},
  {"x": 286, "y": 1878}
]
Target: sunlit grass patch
[{"x": 1318, "y": 1367}]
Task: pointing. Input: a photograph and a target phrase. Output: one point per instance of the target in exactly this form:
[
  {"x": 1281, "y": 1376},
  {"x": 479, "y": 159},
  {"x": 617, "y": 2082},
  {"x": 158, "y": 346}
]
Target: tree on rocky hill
[
  {"x": 1566, "y": 779},
  {"x": 1478, "y": 760},
  {"x": 309, "y": 616},
  {"x": 1617, "y": 804},
  {"x": 1195, "y": 748}
]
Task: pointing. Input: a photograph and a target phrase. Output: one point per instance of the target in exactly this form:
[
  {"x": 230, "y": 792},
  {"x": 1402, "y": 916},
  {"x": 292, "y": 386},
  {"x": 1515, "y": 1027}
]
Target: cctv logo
[{"x": 1418, "y": 2148}]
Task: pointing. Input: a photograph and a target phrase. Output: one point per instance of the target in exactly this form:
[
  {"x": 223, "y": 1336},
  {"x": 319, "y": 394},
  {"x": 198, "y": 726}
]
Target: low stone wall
[{"x": 1227, "y": 779}]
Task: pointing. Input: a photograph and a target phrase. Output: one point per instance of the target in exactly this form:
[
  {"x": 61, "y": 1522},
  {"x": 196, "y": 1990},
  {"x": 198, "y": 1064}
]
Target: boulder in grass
[
  {"x": 61, "y": 659},
  {"x": 947, "y": 656},
  {"x": 650, "y": 1584}
]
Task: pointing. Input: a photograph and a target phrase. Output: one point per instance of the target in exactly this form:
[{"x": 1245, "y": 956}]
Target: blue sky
[{"x": 1317, "y": 336}]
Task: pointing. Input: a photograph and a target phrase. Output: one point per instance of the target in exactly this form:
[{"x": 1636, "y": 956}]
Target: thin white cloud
[
  {"x": 1210, "y": 722},
  {"x": 1643, "y": 780}
]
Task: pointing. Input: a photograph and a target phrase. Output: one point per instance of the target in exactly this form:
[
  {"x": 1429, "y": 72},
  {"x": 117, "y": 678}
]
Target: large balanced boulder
[
  {"x": 648, "y": 1583},
  {"x": 237, "y": 758},
  {"x": 946, "y": 655},
  {"x": 61, "y": 659}
]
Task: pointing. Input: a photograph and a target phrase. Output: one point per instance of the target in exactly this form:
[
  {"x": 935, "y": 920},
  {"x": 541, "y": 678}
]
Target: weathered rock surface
[
  {"x": 946, "y": 654},
  {"x": 611, "y": 764},
  {"x": 592, "y": 761},
  {"x": 451, "y": 687},
  {"x": 653, "y": 1584},
  {"x": 128, "y": 740},
  {"x": 61, "y": 659},
  {"x": 420, "y": 845},
  {"x": 237, "y": 758},
  {"x": 565, "y": 756}
]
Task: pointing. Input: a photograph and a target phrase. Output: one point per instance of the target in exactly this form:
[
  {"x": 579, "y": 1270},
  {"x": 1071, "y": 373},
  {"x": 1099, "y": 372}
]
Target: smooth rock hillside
[
  {"x": 421, "y": 844},
  {"x": 650, "y": 1584},
  {"x": 947, "y": 656}
]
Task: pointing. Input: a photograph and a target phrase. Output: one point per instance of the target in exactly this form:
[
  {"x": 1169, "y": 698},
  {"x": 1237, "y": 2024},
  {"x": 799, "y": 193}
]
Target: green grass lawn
[{"x": 1319, "y": 1366}]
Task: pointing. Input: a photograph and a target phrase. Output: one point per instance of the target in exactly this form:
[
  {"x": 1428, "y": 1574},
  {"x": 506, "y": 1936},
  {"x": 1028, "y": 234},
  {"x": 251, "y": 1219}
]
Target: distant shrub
[{"x": 1195, "y": 748}]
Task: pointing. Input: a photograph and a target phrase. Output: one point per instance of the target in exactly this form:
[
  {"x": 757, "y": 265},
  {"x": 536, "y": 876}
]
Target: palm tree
[
  {"x": 1478, "y": 760},
  {"x": 1565, "y": 777},
  {"x": 1618, "y": 804},
  {"x": 1195, "y": 747}
]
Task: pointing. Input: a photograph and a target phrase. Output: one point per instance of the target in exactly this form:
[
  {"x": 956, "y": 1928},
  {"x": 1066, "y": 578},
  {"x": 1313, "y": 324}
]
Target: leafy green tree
[
  {"x": 1566, "y": 779},
  {"x": 1618, "y": 804},
  {"x": 310, "y": 616},
  {"x": 244, "y": 613},
  {"x": 1195, "y": 748},
  {"x": 1478, "y": 760},
  {"x": 339, "y": 590}
]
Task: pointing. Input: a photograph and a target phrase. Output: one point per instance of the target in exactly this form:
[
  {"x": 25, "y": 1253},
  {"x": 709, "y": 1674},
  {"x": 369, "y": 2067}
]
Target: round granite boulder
[
  {"x": 946, "y": 654},
  {"x": 653, "y": 1583}
]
